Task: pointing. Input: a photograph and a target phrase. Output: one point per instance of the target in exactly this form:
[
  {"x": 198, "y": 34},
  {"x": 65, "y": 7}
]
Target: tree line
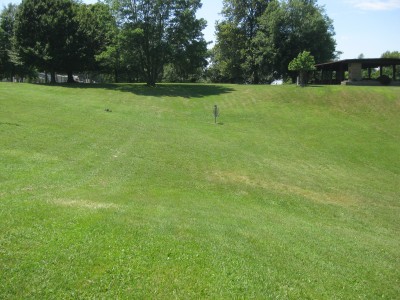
[
  {"x": 161, "y": 40},
  {"x": 122, "y": 40}
]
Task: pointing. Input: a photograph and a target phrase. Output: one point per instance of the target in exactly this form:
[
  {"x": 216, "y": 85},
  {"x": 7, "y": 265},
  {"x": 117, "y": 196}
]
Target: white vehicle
[{"x": 277, "y": 82}]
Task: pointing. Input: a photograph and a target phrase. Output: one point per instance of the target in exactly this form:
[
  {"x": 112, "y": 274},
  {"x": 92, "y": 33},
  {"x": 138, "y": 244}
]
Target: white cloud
[{"x": 376, "y": 4}]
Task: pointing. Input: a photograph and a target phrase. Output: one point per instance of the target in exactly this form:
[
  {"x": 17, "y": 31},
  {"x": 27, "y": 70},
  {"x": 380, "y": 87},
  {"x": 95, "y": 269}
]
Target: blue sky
[{"x": 370, "y": 27}]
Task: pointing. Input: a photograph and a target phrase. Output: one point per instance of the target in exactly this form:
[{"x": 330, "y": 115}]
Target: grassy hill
[{"x": 295, "y": 193}]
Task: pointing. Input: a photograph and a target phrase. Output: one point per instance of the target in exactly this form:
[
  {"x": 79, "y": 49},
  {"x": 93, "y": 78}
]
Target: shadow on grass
[{"x": 161, "y": 90}]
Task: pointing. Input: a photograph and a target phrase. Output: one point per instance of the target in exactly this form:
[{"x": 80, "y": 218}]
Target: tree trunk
[
  {"x": 116, "y": 75},
  {"x": 117, "y": 67},
  {"x": 53, "y": 77},
  {"x": 151, "y": 82},
  {"x": 303, "y": 78},
  {"x": 151, "y": 79},
  {"x": 256, "y": 78},
  {"x": 70, "y": 77}
]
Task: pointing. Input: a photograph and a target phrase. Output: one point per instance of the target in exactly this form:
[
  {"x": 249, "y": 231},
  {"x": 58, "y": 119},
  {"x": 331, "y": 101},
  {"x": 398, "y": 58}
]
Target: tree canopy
[
  {"x": 389, "y": 71},
  {"x": 9, "y": 61},
  {"x": 60, "y": 35},
  {"x": 44, "y": 33},
  {"x": 235, "y": 53},
  {"x": 303, "y": 62},
  {"x": 157, "y": 32}
]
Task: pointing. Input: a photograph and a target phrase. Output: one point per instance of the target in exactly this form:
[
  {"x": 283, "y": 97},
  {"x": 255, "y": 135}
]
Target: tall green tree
[
  {"x": 187, "y": 45},
  {"x": 110, "y": 58},
  {"x": 236, "y": 36},
  {"x": 3, "y": 53},
  {"x": 157, "y": 32},
  {"x": 8, "y": 67},
  {"x": 116, "y": 60},
  {"x": 44, "y": 33},
  {"x": 227, "y": 55},
  {"x": 290, "y": 27},
  {"x": 61, "y": 35},
  {"x": 96, "y": 32}
]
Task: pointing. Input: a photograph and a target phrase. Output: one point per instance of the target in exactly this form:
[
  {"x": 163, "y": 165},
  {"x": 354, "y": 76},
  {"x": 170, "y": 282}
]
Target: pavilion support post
[
  {"x": 369, "y": 73},
  {"x": 341, "y": 74},
  {"x": 380, "y": 71}
]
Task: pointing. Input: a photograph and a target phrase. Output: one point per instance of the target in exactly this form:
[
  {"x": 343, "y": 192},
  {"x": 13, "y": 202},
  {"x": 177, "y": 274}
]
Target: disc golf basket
[{"x": 215, "y": 113}]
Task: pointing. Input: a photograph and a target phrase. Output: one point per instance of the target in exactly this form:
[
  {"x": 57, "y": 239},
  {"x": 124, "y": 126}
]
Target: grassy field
[{"x": 295, "y": 193}]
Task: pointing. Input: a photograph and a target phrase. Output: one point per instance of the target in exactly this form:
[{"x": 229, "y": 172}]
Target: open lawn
[{"x": 295, "y": 193}]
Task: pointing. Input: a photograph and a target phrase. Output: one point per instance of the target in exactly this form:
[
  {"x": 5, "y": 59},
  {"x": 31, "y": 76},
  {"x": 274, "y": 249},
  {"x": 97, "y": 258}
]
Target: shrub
[{"x": 303, "y": 63}]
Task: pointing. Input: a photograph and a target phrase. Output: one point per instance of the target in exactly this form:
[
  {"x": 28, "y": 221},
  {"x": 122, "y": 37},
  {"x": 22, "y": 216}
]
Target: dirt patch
[{"x": 342, "y": 199}]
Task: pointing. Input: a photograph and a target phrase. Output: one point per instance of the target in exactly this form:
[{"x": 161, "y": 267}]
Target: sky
[{"x": 368, "y": 27}]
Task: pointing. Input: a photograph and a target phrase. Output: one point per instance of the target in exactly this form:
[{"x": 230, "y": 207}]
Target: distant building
[{"x": 350, "y": 71}]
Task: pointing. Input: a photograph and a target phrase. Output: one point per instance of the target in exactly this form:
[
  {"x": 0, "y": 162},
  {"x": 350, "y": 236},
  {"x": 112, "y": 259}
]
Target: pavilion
[{"x": 334, "y": 72}]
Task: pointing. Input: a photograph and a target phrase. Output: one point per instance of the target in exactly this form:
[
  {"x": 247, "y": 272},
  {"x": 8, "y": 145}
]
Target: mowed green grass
[{"x": 295, "y": 193}]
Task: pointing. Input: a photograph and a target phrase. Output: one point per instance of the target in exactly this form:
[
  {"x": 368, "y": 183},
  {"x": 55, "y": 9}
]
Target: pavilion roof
[{"x": 365, "y": 62}]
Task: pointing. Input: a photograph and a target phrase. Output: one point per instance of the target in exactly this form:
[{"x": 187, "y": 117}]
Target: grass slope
[{"x": 294, "y": 194}]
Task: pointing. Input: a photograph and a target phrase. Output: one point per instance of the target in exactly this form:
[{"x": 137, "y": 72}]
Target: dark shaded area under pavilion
[{"x": 335, "y": 72}]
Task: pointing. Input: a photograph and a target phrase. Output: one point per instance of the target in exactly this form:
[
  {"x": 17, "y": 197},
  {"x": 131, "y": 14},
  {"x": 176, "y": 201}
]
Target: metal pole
[{"x": 216, "y": 113}]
